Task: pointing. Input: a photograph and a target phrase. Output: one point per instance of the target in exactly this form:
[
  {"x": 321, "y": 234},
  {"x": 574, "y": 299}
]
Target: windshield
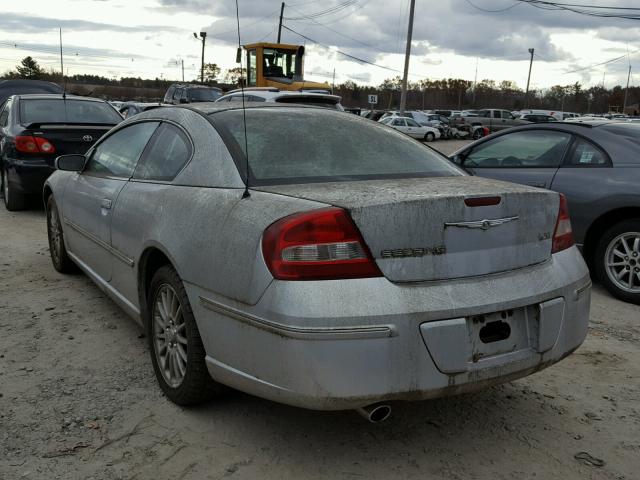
[
  {"x": 312, "y": 145},
  {"x": 57, "y": 110},
  {"x": 204, "y": 94},
  {"x": 279, "y": 63}
]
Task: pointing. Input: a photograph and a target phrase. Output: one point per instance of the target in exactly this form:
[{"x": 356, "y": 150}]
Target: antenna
[
  {"x": 244, "y": 111},
  {"x": 64, "y": 82}
]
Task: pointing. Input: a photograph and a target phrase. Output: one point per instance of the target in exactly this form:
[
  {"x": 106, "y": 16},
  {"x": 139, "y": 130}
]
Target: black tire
[
  {"x": 57, "y": 248},
  {"x": 13, "y": 201},
  {"x": 196, "y": 386},
  {"x": 478, "y": 133},
  {"x": 429, "y": 137},
  {"x": 633, "y": 261}
]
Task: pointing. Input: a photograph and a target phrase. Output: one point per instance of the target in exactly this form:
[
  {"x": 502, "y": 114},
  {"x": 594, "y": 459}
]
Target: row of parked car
[{"x": 340, "y": 264}]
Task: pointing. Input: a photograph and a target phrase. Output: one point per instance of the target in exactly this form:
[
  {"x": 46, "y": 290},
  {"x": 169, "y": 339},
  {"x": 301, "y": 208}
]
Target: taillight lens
[
  {"x": 563, "y": 234},
  {"x": 30, "y": 144},
  {"x": 318, "y": 245}
]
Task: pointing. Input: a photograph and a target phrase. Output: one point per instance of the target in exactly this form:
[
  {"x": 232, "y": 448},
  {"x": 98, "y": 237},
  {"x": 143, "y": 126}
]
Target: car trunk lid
[
  {"x": 422, "y": 229},
  {"x": 68, "y": 138}
]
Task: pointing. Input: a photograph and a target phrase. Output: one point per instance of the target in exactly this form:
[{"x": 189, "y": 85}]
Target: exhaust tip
[{"x": 375, "y": 413}]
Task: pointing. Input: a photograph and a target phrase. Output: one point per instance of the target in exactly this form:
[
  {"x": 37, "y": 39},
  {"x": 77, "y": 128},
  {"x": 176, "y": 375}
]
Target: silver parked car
[{"x": 358, "y": 266}]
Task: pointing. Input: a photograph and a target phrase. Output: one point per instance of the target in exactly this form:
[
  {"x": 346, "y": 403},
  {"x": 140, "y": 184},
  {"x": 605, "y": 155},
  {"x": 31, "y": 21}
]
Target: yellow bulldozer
[{"x": 278, "y": 65}]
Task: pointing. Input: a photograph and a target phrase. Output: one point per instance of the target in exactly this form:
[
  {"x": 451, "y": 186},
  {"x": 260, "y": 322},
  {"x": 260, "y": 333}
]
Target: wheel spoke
[
  {"x": 619, "y": 253},
  {"x": 181, "y": 340},
  {"x": 636, "y": 244},
  {"x": 621, "y": 273},
  {"x": 180, "y": 328},
  {"x": 625, "y": 245},
  {"x": 616, "y": 264},
  {"x": 181, "y": 362}
]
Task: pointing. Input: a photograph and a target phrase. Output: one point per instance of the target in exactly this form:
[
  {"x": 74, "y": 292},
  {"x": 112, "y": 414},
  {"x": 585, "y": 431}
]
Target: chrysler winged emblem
[
  {"x": 485, "y": 224},
  {"x": 87, "y": 138}
]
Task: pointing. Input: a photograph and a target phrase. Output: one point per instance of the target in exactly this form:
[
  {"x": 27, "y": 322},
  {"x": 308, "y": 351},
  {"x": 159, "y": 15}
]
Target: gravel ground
[{"x": 79, "y": 400}]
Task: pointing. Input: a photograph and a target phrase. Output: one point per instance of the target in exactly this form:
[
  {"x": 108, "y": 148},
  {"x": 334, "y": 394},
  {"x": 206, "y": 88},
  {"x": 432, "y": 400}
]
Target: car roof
[
  {"x": 191, "y": 85},
  {"x": 56, "y": 96},
  {"x": 271, "y": 93}
]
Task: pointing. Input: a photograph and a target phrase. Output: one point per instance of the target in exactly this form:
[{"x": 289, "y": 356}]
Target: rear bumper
[
  {"x": 28, "y": 176},
  {"x": 343, "y": 344}
]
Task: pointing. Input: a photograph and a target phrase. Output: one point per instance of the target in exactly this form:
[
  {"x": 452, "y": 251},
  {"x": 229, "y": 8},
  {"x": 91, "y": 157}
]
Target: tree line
[{"x": 451, "y": 93}]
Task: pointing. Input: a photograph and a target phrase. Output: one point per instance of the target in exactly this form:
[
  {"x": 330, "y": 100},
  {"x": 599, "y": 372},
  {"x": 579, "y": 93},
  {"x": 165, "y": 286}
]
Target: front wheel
[
  {"x": 429, "y": 137},
  {"x": 617, "y": 260},
  {"x": 478, "y": 133},
  {"x": 177, "y": 352}
]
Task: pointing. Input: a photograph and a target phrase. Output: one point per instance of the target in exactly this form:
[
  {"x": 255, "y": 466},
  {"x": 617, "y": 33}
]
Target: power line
[
  {"x": 584, "y": 9},
  {"x": 492, "y": 11},
  {"x": 590, "y": 67}
]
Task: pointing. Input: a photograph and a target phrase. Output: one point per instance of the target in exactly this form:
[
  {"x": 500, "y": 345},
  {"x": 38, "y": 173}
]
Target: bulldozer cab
[{"x": 278, "y": 65}]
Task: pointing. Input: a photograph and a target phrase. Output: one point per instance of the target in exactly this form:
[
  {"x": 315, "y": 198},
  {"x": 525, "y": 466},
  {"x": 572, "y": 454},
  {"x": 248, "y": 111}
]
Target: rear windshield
[
  {"x": 204, "y": 95},
  {"x": 315, "y": 145},
  {"x": 630, "y": 131},
  {"x": 57, "y": 110}
]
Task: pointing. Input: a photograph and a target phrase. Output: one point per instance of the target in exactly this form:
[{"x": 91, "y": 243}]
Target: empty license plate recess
[{"x": 502, "y": 332}]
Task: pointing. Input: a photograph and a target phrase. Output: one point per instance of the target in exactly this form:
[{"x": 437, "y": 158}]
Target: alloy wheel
[
  {"x": 55, "y": 237},
  {"x": 169, "y": 335},
  {"x": 622, "y": 259}
]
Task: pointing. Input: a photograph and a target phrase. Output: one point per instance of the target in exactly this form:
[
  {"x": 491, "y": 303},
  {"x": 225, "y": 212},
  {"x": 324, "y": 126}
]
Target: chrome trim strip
[
  {"x": 580, "y": 291},
  {"x": 116, "y": 253},
  {"x": 485, "y": 224},
  {"x": 305, "y": 333}
]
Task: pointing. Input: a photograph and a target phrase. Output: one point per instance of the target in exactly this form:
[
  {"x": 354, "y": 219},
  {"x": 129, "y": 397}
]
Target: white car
[
  {"x": 412, "y": 128},
  {"x": 269, "y": 94}
]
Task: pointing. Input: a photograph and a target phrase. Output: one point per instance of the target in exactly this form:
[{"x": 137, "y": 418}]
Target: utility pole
[
  {"x": 526, "y": 93},
  {"x": 61, "y": 62},
  {"x": 475, "y": 82},
  {"x": 203, "y": 35},
  {"x": 182, "y": 62},
  {"x": 626, "y": 92},
  {"x": 280, "y": 24},
  {"x": 407, "y": 54},
  {"x": 333, "y": 83}
]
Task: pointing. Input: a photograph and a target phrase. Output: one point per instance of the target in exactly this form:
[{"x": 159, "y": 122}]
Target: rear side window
[
  {"x": 527, "y": 148},
  {"x": 204, "y": 94},
  {"x": 168, "y": 151},
  {"x": 586, "y": 154},
  {"x": 4, "y": 114},
  {"x": 118, "y": 154},
  {"x": 57, "y": 110}
]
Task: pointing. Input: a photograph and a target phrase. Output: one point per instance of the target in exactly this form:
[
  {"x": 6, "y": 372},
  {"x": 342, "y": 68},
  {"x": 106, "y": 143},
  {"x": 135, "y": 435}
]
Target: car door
[
  {"x": 414, "y": 129},
  {"x": 585, "y": 178},
  {"x": 90, "y": 196},
  {"x": 531, "y": 157},
  {"x": 166, "y": 154},
  {"x": 400, "y": 125}
]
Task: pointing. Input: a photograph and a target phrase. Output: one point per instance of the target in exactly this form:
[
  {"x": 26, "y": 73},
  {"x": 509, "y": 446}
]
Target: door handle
[{"x": 106, "y": 204}]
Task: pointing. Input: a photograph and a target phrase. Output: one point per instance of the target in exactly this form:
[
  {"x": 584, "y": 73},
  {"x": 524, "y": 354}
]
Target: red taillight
[
  {"x": 30, "y": 144},
  {"x": 563, "y": 234},
  {"x": 318, "y": 245}
]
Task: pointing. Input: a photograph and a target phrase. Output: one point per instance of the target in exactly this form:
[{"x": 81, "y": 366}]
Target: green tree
[
  {"x": 234, "y": 75},
  {"x": 211, "y": 72},
  {"x": 29, "y": 68}
]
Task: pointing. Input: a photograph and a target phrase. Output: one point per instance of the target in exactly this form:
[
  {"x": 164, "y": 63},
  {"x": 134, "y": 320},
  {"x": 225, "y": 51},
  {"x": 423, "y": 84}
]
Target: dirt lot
[{"x": 78, "y": 400}]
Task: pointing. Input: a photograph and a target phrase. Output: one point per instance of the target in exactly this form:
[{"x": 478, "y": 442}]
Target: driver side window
[
  {"x": 118, "y": 155},
  {"x": 528, "y": 148}
]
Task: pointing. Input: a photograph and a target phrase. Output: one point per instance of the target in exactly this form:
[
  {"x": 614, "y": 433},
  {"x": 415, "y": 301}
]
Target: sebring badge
[
  {"x": 482, "y": 224},
  {"x": 413, "y": 252},
  {"x": 87, "y": 138}
]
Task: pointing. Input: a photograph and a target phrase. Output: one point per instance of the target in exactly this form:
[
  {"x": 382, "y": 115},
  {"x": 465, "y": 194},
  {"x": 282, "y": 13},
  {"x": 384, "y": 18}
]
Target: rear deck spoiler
[{"x": 68, "y": 125}]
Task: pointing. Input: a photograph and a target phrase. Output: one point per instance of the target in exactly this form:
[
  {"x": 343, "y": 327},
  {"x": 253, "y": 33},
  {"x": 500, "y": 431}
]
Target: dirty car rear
[{"x": 362, "y": 267}]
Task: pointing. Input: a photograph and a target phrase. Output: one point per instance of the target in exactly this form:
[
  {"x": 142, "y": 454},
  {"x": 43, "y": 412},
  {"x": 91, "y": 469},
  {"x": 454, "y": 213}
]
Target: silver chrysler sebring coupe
[{"x": 316, "y": 258}]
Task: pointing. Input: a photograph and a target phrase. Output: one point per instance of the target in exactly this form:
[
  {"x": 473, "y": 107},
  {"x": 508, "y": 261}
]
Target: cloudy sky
[{"x": 149, "y": 38}]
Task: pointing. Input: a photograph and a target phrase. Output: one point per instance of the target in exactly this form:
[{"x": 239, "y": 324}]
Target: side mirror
[
  {"x": 70, "y": 163},
  {"x": 457, "y": 159}
]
